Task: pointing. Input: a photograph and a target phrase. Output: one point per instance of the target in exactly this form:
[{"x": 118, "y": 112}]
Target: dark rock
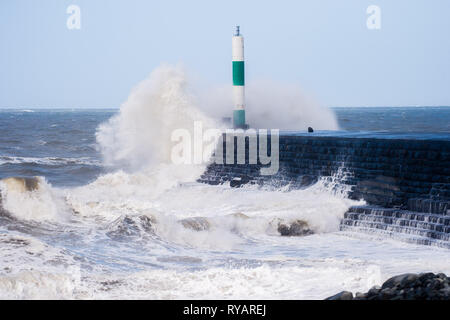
[
  {"x": 409, "y": 280},
  {"x": 397, "y": 280},
  {"x": 361, "y": 296},
  {"x": 344, "y": 295},
  {"x": 310, "y": 129},
  {"x": 297, "y": 228},
  {"x": 387, "y": 293},
  {"x": 284, "y": 230},
  {"x": 425, "y": 277},
  {"x": 445, "y": 291},
  {"x": 418, "y": 292},
  {"x": 374, "y": 291},
  {"x": 425, "y": 286}
]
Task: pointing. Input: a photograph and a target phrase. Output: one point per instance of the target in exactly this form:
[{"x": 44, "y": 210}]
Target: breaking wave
[
  {"x": 147, "y": 229},
  {"x": 137, "y": 144}
]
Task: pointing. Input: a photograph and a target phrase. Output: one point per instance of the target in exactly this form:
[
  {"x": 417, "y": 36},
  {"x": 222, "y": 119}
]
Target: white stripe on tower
[{"x": 238, "y": 80}]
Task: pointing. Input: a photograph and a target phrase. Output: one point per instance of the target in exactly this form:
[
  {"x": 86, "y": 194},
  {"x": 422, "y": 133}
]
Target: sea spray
[
  {"x": 272, "y": 105},
  {"x": 32, "y": 199},
  {"x": 139, "y": 136},
  {"x": 137, "y": 144},
  {"x": 137, "y": 141},
  {"x": 150, "y": 232}
]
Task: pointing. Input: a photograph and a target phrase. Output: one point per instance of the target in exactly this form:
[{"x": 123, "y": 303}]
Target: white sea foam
[
  {"x": 272, "y": 105},
  {"x": 139, "y": 137},
  {"x": 38, "y": 203},
  {"x": 37, "y": 285},
  {"x": 286, "y": 268},
  {"x": 32, "y": 269},
  {"x": 127, "y": 236},
  {"x": 329, "y": 264}
]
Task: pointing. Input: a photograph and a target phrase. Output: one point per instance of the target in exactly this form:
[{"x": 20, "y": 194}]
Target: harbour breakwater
[{"x": 404, "y": 179}]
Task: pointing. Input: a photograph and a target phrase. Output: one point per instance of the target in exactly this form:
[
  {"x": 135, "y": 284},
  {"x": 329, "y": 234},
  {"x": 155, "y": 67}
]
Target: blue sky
[{"x": 323, "y": 45}]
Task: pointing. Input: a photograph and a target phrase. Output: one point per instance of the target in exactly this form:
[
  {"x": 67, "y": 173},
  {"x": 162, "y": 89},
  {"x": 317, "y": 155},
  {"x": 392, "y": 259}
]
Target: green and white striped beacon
[{"x": 238, "y": 80}]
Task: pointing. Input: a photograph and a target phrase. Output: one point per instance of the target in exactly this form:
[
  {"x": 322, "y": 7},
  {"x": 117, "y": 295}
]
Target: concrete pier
[{"x": 404, "y": 179}]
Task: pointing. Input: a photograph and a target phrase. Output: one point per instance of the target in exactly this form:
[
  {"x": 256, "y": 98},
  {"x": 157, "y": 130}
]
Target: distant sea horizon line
[{"x": 37, "y": 108}]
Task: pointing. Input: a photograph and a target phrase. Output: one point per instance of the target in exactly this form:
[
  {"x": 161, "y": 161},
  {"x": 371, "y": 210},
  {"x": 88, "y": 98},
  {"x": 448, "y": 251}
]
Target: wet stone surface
[{"x": 409, "y": 286}]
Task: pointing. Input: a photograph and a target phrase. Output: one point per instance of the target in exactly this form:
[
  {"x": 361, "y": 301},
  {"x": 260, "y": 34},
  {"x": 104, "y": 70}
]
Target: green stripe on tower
[
  {"x": 238, "y": 73},
  {"x": 239, "y": 119}
]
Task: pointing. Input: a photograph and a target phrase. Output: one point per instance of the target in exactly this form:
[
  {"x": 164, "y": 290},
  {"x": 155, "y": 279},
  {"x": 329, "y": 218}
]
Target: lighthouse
[{"x": 238, "y": 81}]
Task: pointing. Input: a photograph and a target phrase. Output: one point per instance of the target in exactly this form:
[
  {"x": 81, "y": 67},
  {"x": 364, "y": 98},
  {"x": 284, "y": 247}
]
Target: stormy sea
[{"x": 91, "y": 207}]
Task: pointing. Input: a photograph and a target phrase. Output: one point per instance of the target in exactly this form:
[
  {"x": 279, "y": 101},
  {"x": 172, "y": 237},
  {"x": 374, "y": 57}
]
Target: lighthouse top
[{"x": 237, "y": 31}]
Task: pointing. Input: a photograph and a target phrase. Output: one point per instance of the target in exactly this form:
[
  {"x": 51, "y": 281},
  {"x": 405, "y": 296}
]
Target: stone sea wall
[{"x": 405, "y": 182}]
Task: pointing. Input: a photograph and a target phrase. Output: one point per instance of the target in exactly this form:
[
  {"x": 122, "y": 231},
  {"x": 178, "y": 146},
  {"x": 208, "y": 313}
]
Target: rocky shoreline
[{"x": 408, "y": 286}]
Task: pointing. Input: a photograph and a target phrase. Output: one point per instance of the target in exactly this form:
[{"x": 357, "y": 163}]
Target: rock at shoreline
[
  {"x": 297, "y": 228},
  {"x": 408, "y": 286},
  {"x": 344, "y": 295},
  {"x": 398, "y": 280}
]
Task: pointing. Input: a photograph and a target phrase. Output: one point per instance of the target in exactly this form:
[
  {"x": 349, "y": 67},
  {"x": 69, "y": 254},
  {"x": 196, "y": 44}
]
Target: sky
[{"x": 324, "y": 46}]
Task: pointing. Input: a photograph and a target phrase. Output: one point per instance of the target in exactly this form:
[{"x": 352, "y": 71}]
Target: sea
[{"x": 108, "y": 217}]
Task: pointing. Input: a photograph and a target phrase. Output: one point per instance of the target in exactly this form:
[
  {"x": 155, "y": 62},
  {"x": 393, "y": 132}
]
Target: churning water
[{"x": 111, "y": 217}]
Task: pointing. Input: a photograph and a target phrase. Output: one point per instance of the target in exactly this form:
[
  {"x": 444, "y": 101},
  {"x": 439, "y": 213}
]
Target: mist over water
[
  {"x": 141, "y": 227},
  {"x": 271, "y": 105},
  {"x": 286, "y": 107}
]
